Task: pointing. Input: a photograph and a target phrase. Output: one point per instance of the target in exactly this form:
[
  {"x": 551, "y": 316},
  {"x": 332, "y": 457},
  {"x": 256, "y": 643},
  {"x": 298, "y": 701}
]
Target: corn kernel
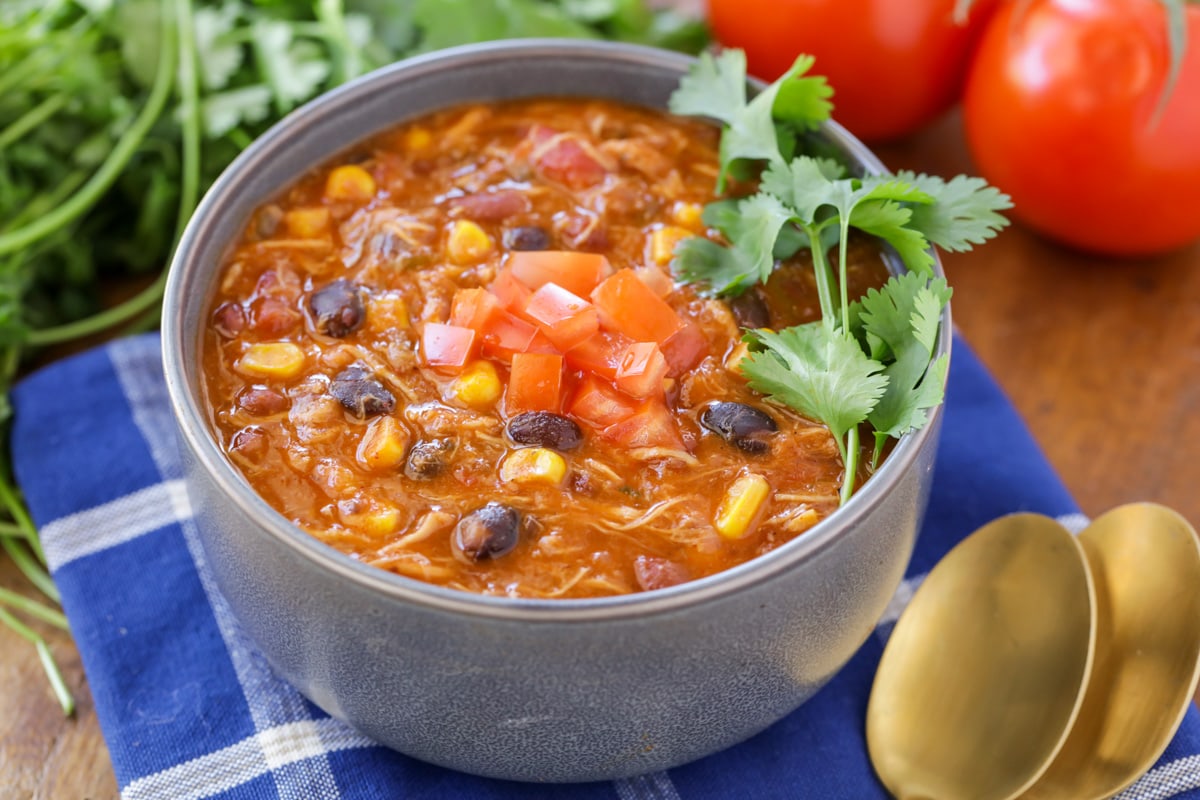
[
  {"x": 417, "y": 139},
  {"x": 663, "y": 241},
  {"x": 281, "y": 360},
  {"x": 468, "y": 243},
  {"x": 349, "y": 182},
  {"x": 383, "y": 445},
  {"x": 374, "y": 519},
  {"x": 478, "y": 385},
  {"x": 689, "y": 215},
  {"x": 534, "y": 465},
  {"x": 742, "y": 506},
  {"x": 387, "y": 311},
  {"x": 307, "y": 223},
  {"x": 733, "y": 361}
]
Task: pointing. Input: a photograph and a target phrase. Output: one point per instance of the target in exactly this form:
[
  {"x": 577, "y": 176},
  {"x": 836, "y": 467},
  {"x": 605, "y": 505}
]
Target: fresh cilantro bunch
[{"x": 868, "y": 359}]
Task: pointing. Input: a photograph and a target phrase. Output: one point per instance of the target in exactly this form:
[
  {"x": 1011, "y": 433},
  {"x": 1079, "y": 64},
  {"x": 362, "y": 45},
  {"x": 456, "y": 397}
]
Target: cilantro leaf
[
  {"x": 752, "y": 227},
  {"x": 964, "y": 211},
  {"x": 819, "y": 372},
  {"x": 295, "y": 70},
  {"x": 904, "y": 315},
  {"x": 224, "y": 111},
  {"x": 220, "y": 58},
  {"x": 891, "y": 222},
  {"x": 715, "y": 87}
]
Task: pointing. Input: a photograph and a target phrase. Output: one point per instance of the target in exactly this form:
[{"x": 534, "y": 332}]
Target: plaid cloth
[{"x": 189, "y": 709}]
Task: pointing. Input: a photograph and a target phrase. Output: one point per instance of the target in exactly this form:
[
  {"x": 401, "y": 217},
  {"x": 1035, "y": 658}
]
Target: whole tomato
[
  {"x": 894, "y": 64},
  {"x": 1062, "y": 112}
]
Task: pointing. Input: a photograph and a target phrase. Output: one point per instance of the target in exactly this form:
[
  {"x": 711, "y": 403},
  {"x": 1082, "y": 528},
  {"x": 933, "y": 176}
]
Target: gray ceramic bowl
[{"x": 534, "y": 690}]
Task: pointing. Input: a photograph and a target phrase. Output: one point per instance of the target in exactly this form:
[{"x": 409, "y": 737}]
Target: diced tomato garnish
[
  {"x": 448, "y": 347},
  {"x": 600, "y": 354},
  {"x": 651, "y": 425},
  {"x": 473, "y": 308},
  {"x": 540, "y": 344},
  {"x": 564, "y": 159},
  {"x": 684, "y": 349},
  {"x": 565, "y": 318},
  {"x": 598, "y": 404},
  {"x": 509, "y": 290},
  {"x": 629, "y": 306},
  {"x": 506, "y": 335},
  {"x": 534, "y": 383},
  {"x": 659, "y": 282},
  {"x": 642, "y": 369},
  {"x": 578, "y": 273}
]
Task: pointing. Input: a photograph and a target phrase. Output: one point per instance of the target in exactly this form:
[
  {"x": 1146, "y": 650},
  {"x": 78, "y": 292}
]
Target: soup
[{"x": 457, "y": 353}]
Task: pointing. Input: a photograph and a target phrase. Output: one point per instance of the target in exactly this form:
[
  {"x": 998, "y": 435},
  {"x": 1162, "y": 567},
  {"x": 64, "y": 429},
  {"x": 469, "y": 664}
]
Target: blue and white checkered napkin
[{"x": 190, "y": 709}]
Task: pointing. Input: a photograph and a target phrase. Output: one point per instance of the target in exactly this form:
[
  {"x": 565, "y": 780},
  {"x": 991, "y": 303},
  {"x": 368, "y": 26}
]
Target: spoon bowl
[
  {"x": 1145, "y": 562},
  {"x": 985, "y": 672}
]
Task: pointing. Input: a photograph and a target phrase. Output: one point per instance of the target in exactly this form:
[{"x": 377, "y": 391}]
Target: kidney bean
[
  {"x": 490, "y": 206},
  {"x": 260, "y": 402},
  {"x": 741, "y": 425},
  {"x": 229, "y": 319},
  {"x": 658, "y": 573},
  {"x": 337, "y": 309},
  {"x": 545, "y": 429},
  {"x": 273, "y": 317},
  {"x": 250, "y": 443},
  {"x": 361, "y": 393},
  {"x": 487, "y": 532}
]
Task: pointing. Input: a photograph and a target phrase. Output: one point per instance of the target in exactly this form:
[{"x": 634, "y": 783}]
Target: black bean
[
  {"x": 361, "y": 393},
  {"x": 428, "y": 458},
  {"x": 545, "y": 429},
  {"x": 527, "y": 238},
  {"x": 739, "y": 424},
  {"x": 337, "y": 309},
  {"x": 487, "y": 532},
  {"x": 750, "y": 310}
]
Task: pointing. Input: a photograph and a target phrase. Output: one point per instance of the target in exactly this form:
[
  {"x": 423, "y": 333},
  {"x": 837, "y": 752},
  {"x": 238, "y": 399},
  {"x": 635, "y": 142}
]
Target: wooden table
[{"x": 1101, "y": 357}]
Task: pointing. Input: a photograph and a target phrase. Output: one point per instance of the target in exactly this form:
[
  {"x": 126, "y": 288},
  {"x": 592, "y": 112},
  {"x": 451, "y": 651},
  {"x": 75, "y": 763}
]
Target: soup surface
[{"x": 457, "y": 353}]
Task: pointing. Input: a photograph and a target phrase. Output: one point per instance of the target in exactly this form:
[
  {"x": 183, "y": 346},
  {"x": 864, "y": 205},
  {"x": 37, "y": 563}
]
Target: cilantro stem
[
  {"x": 104, "y": 320},
  {"x": 822, "y": 272},
  {"x": 34, "y": 609},
  {"x": 31, "y": 119},
  {"x": 30, "y": 568},
  {"x": 843, "y": 244},
  {"x": 189, "y": 93},
  {"x": 850, "y": 460},
  {"x": 61, "y": 692},
  {"x": 22, "y": 523},
  {"x": 113, "y": 165},
  {"x": 333, "y": 16}
]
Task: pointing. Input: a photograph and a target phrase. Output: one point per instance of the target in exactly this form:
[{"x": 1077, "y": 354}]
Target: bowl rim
[{"x": 195, "y": 432}]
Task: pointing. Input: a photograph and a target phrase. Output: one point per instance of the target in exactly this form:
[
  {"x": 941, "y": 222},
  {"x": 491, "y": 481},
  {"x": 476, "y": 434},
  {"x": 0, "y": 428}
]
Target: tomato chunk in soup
[{"x": 457, "y": 353}]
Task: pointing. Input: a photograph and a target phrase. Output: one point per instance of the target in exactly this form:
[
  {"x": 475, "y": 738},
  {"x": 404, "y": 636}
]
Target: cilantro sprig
[{"x": 867, "y": 360}]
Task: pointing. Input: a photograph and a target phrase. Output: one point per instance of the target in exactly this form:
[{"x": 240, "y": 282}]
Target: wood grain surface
[{"x": 1101, "y": 358}]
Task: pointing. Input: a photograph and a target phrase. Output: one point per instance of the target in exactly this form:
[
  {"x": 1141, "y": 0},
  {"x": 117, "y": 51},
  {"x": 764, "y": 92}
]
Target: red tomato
[
  {"x": 641, "y": 371},
  {"x": 534, "y": 383},
  {"x": 578, "y": 273},
  {"x": 1060, "y": 113},
  {"x": 564, "y": 318},
  {"x": 597, "y": 403},
  {"x": 506, "y": 335},
  {"x": 652, "y": 425},
  {"x": 894, "y": 64},
  {"x": 631, "y": 308},
  {"x": 448, "y": 347},
  {"x": 600, "y": 353}
]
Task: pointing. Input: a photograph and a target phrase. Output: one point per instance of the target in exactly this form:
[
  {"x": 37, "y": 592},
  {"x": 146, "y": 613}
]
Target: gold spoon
[
  {"x": 985, "y": 672},
  {"x": 1145, "y": 562}
]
